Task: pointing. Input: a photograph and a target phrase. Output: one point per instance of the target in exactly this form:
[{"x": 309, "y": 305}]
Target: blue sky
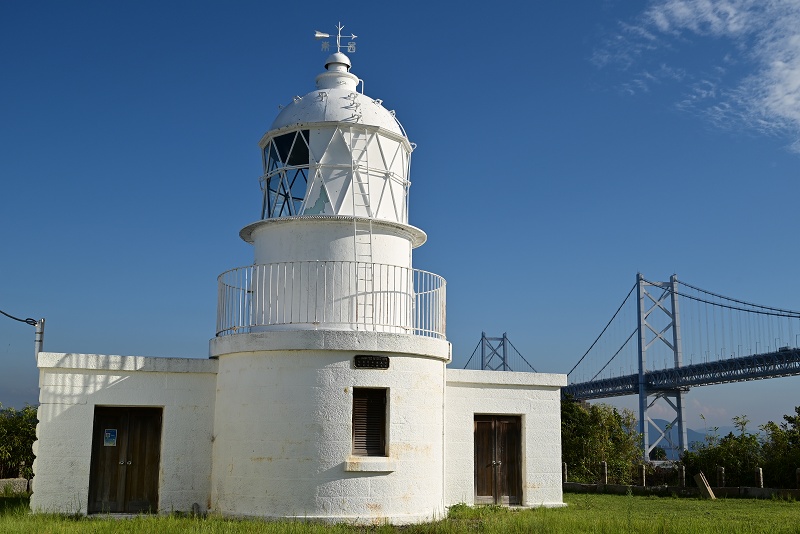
[{"x": 562, "y": 148}]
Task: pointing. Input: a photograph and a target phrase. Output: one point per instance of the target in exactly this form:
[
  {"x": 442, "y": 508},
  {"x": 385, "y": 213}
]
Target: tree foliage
[
  {"x": 776, "y": 451},
  {"x": 781, "y": 451},
  {"x": 594, "y": 433},
  {"x": 738, "y": 453},
  {"x": 17, "y": 434}
]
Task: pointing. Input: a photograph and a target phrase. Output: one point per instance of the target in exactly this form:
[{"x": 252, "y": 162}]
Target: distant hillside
[{"x": 692, "y": 436}]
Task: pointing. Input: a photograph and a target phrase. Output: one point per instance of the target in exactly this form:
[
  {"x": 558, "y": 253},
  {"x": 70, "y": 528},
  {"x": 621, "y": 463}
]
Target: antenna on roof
[{"x": 351, "y": 45}]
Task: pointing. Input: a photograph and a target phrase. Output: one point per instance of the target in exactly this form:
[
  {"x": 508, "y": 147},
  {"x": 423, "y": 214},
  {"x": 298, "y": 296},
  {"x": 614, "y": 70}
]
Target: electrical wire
[{"x": 29, "y": 321}]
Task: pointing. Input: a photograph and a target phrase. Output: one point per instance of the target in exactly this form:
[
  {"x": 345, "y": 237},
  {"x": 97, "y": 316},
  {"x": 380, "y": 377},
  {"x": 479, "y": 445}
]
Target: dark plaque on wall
[{"x": 368, "y": 361}]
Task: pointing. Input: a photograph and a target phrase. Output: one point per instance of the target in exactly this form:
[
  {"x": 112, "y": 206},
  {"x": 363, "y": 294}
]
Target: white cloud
[
  {"x": 762, "y": 36},
  {"x": 715, "y": 17}
]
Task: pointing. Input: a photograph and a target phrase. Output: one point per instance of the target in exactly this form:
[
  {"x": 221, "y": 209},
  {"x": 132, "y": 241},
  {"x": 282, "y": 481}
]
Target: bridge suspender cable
[
  {"x": 473, "y": 353},
  {"x": 520, "y": 355},
  {"x": 615, "y": 355}
]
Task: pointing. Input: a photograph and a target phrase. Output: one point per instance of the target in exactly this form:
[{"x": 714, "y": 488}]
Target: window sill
[{"x": 370, "y": 464}]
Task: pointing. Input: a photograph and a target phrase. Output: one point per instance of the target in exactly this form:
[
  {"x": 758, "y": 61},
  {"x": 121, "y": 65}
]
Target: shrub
[{"x": 17, "y": 434}]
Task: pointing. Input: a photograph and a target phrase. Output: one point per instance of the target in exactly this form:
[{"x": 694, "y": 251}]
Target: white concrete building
[{"x": 326, "y": 394}]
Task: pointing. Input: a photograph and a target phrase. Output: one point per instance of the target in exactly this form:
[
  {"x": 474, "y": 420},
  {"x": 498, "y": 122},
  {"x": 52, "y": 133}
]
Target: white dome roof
[{"x": 337, "y": 100}]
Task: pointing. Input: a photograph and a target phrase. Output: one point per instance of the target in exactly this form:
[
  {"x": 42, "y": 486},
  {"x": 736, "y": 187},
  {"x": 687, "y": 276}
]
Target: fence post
[
  {"x": 564, "y": 472},
  {"x": 759, "y": 477},
  {"x": 603, "y": 472},
  {"x": 797, "y": 474},
  {"x": 720, "y": 476},
  {"x": 682, "y": 476},
  {"x": 642, "y": 475}
]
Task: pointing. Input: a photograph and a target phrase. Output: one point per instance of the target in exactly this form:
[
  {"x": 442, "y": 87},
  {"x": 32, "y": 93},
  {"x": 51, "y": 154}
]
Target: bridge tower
[
  {"x": 655, "y": 297},
  {"x": 494, "y": 353}
]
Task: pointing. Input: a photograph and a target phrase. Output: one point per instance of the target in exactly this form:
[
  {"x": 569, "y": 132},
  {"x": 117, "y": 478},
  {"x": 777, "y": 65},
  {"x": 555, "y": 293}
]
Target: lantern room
[{"x": 335, "y": 151}]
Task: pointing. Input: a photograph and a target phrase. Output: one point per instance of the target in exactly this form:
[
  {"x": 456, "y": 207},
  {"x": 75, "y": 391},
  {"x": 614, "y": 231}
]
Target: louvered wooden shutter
[{"x": 369, "y": 422}]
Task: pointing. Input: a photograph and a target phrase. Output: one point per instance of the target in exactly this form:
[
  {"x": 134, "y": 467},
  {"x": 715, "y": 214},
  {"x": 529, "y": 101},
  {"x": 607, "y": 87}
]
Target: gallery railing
[{"x": 334, "y": 295}]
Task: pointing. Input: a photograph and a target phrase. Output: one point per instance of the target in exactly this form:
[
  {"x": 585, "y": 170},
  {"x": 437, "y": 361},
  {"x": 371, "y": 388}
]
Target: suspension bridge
[{"x": 665, "y": 338}]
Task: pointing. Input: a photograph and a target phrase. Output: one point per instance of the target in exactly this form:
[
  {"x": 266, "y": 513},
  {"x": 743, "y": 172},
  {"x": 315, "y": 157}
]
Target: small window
[{"x": 369, "y": 422}]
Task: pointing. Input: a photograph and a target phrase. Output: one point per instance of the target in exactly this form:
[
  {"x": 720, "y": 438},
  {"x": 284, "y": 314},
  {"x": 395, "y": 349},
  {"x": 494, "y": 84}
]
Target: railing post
[
  {"x": 759, "y": 477},
  {"x": 642, "y": 475},
  {"x": 564, "y": 472},
  {"x": 604, "y": 472},
  {"x": 720, "y": 476}
]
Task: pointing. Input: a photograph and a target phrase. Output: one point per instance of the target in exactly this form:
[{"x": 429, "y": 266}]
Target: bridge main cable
[
  {"x": 604, "y": 330},
  {"x": 690, "y": 286}
]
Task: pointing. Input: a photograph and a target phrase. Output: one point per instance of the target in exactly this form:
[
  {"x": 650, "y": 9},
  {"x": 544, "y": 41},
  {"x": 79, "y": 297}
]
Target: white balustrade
[{"x": 332, "y": 295}]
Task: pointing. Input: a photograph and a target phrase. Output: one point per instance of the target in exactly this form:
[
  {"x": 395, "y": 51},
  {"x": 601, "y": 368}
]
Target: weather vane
[{"x": 351, "y": 45}]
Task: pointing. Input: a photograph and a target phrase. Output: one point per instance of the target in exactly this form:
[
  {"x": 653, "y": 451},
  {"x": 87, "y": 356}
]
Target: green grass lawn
[{"x": 585, "y": 513}]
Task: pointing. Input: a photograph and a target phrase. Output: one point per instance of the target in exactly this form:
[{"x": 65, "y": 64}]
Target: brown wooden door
[
  {"x": 126, "y": 453},
  {"x": 498, "y": 459}
]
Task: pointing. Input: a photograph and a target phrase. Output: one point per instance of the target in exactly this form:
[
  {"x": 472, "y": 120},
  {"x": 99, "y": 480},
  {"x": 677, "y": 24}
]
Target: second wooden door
[{"x": 498, "y": 459}]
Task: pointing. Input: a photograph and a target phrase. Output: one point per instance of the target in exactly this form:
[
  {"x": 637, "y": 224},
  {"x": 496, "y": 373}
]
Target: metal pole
[
  {"x": 38, "y": 343},
  {"x": 683, "y": 442},
  {"x": 505, "y": 352},
  {"x": 642, "y": 367},
  {"x": 483, "y": 350}
]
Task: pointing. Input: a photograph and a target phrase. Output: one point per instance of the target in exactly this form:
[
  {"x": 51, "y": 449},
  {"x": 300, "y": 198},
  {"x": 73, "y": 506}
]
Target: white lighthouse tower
[{"x": 331, "y": 348}]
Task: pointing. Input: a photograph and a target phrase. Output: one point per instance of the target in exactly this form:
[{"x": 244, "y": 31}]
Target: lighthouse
[
  {"x": 325, "y": 393},
  {"x": 331, "y": 346}
]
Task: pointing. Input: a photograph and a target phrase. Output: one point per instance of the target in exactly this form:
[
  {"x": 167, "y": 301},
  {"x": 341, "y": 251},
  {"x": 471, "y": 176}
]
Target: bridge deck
[{"x": 758, "y": 366}]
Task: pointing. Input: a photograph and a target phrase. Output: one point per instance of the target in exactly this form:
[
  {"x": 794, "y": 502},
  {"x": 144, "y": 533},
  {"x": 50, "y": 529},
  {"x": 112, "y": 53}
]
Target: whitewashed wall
[
  {"x": 283, "y": 430},
  {"x": 329, "y": 238},
  {"x": 71, "y": 385},
  {"x": 534, "y": 396}
]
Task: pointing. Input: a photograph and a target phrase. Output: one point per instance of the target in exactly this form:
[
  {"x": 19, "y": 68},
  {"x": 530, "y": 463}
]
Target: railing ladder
[{"x": 362, "y": 229}]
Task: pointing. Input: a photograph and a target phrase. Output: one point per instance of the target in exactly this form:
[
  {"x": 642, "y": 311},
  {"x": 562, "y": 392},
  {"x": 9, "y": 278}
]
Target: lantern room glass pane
[{"x": 286, "y": 174}]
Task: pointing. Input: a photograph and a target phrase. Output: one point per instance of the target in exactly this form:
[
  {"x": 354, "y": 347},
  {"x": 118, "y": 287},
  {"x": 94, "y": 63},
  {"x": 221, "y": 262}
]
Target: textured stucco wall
[
  {"x": 71, "y": 385},
  {"x": 279, "y": 434},
  {"x": 283, "y": 432},
  {"x": 534, "y": 396}
]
